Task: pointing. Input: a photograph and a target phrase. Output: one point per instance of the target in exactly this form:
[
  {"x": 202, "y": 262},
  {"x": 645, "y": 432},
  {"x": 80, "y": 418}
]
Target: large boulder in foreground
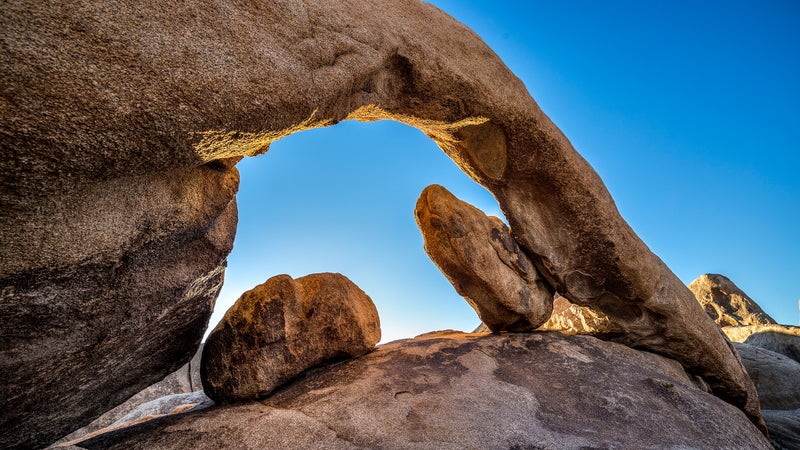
[
  {"x": 725, "y": 303},
  {"x": 117, "y": 122},
  {"x": 784, "y": 428},
  {"x": 483, "y": 262},
  {"x": 452, "y": 391},
  {"x": 777, "y": 379},
  {"x": 283, "y": 327}
]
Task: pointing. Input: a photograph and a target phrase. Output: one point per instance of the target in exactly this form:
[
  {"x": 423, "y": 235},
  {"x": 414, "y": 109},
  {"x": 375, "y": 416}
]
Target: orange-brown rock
[
  {"x": 725, "y": 303},
  {"x": 479, "y": 257},
  {"x": 283, "y": 327},
  {"x": 117, "y": 120},
  {"x": 570, "y": 318}
]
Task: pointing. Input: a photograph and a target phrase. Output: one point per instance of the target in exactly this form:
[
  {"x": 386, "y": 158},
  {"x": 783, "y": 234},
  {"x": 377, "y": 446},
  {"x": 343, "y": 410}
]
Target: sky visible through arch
[{"x": 687, "y": 111}]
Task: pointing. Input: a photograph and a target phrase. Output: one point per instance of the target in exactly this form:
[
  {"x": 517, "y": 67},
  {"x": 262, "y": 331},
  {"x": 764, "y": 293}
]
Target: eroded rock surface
[
  {"x": 776, "y": 377},
  {"x": 105, "y": 291},
  {"x": 725, "y": 303},
  {"x": 183, "y": 381},
  {"x": 570, "y": 318},
  {"x": 482, "y": 261},
  {"x": 282, "y": 328},
  {"x": 784, "y": 428},
  {"x": 453, "y": 391},
  {"x": 783, "y": 339},
  {"x": 117, "y": 195}
]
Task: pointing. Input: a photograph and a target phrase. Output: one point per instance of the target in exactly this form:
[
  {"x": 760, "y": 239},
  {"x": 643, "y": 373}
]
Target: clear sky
[{"x": 688, "y": 111}]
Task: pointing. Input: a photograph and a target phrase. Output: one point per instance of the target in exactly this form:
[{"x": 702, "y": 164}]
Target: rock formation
[
  {"x": 282, "y": 328},
  {"x": 450, "y": 390},
  {"x": 120, "y": 122},
  {"x": 785, "y": 341},
  {"x": 777, "y": 379},
  {"x": 482, "y": 261},
  {"x": 784, "y": 428},
  {"x": 570, "y": 318},
  {"x": 183, "y": 381},
  {"x": 725, "y": 303}
]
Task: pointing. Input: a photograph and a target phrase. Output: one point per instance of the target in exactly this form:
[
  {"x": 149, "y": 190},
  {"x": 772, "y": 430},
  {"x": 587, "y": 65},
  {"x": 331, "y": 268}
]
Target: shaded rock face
[
  {"x": 282, "y": 328},
  {"x": 114, "y": 292},
  {"x": 454, "y": 391},
  {"x": 784, "y": 428},
  {"x": 162, "y": 406},
  {"x": 777, "y": 379},
  {"x": 183, "y": 381},
  {"x": 725, "y": 303},
  {"x": 485, "y": 265},
  {"x": 118, "y": 121},
  {"x": 787, "y": 344}
]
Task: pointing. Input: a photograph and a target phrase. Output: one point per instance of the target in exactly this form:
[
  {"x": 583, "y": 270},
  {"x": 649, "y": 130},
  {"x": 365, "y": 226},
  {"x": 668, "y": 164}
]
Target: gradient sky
[{"x": 687, "y": 111}]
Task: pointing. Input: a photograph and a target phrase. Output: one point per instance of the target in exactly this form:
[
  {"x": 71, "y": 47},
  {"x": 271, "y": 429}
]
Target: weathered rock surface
[
  {"x": 182, "y": 381},
  {"x": 282, "y": 328},
  {"x": 570, "y": 318},
  {"x": 116, "y": 122},
  {"x": 783, "y": 339},
  {"x": 169, "y": 404},
  {"x": 777, "y": 378},
  {"x": 725, "y": 303},
  {"x": 104, "y": 292},
  {"x": 482, "y": 261},
  {"x": 784, "y": 428},
  {"x": 452, "y": 391}
]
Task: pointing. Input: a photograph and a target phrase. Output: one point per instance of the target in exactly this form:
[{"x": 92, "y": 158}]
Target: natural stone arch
[{"x": 120, "y": 128}]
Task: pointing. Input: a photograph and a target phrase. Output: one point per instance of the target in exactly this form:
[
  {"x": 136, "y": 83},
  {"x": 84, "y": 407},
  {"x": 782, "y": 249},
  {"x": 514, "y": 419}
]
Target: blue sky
[{"x": 687, "y": 110}]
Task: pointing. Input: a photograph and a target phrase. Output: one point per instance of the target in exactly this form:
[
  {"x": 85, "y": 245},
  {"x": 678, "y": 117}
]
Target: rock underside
[{"x": 450, "y": 390}]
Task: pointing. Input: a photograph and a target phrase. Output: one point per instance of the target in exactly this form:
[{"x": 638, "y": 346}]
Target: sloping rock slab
[
  {"x": 777, "y": 377},
  {"x": 784, "y": 428},
  {"x": 783, "y": 339},
  {"x": 452, "y": 391}
]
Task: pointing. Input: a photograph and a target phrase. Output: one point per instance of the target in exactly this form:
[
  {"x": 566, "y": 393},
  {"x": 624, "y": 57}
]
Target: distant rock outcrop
[
  {"x": 282, "y": 328},
  {"x": 453, "y": 391},
  {"x": 483, "y": 262},
  {"x": 725, "y": 303}
]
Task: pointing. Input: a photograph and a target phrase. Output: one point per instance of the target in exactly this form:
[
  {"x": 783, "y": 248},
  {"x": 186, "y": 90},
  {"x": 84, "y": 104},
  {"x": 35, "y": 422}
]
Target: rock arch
[{"x": 121, "y": 126}]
